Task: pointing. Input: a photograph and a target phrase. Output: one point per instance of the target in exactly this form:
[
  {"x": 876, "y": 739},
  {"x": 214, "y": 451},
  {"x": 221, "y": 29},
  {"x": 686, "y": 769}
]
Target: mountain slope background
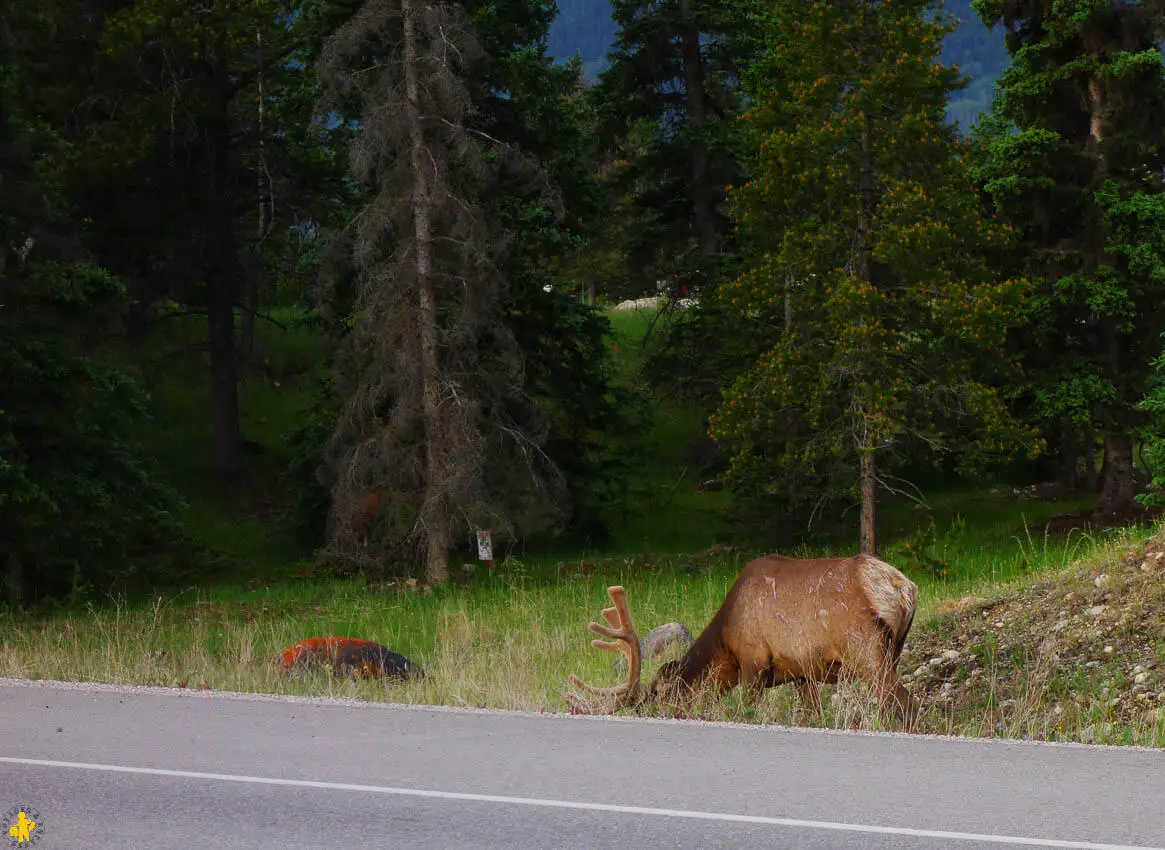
[{"x": 585, "y": 27}]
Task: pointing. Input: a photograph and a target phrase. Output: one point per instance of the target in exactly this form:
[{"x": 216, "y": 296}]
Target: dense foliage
[
  {"x": 263, "y": 289},
  {"x": 1074, "y": 160},
  {"x": 588, "y": 28},
  {"x": 82, "y": 508}
]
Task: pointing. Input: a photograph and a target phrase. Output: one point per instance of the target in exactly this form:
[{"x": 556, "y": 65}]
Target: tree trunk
[
  {"x": 867, "y": 478},
  {"x": 224, "y": 381},
  {"x": 221, "y": 282},
  {"x": 703, "y": 194},
  {"x": 1118, "y": 487},
  {"x": 16, "y": 586},
  {"x": 254, "y": 282},
  {"x": 434, "y": 511},
  {"x": 1069, "y": 456},
  {"x": 788, "y": 302},
  {"x": 869, "y": 489},
  {"x": 1091, "y": 478}
]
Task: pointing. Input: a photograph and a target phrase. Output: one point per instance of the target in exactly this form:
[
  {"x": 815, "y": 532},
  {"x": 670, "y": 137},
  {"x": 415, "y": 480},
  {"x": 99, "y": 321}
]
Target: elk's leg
[
  {"x": 871, "y": 659},
  {"x": 891, "y": 692},
  {"x": 809, "y": 690},
  {"x": 905, "y": 707},
  {"x": 754, "y": 679}
]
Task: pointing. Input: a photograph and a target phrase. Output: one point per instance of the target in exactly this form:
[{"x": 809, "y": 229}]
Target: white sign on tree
[{"x": 485, "y": 551}]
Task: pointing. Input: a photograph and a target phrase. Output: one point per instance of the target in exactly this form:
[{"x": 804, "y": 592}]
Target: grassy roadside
[{"x": 509, "y": 641}]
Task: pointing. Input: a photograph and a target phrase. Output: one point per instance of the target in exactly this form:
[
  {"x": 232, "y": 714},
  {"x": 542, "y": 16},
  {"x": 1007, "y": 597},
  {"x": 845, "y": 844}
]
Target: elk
[{"x": 784, "y": 620}]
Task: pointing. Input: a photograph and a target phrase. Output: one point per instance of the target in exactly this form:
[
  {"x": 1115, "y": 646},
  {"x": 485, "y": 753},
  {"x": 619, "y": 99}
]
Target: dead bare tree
[{"x": 429, "y": 373}]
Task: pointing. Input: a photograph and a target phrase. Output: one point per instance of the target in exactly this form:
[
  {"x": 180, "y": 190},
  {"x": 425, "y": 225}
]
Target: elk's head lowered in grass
[{"x": 801, "y": 621}]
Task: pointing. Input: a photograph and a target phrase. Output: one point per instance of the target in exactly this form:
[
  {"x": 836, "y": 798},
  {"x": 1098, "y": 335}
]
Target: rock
[
  {"x": 648, "y": 303},
  {"x": 971, "y": 603},
  {"x": 1097, "y": 610},
  {"x": 1108, "y": 650},
  {"x": 1059, "y": 625},
  {"x": 1141, "y": 678},
  {"x": 1092, "y": 733},
  {"x": 1138, "y": 669},
  {"x": 657, "y": 643},
  {"x": 664, "y": 637},
  {"x": 1102, "y": 581},
  {"x": 1091, "y": 664}
]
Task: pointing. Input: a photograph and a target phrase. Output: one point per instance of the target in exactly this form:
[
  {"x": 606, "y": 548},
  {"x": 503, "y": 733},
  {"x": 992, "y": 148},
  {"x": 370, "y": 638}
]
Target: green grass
[
  {"x": 666, "y": 513},
  {"x": 505, "y": 639}
]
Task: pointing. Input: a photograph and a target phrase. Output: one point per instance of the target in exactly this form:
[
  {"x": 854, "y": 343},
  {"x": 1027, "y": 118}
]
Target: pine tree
[
  {"x": 866, "y": 242},
  {"x": 1075, "y": 162}
]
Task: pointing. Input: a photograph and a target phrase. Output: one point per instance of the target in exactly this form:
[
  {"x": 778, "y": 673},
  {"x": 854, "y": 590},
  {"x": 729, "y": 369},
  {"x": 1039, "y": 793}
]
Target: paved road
[{"x": 152, "y": 768}]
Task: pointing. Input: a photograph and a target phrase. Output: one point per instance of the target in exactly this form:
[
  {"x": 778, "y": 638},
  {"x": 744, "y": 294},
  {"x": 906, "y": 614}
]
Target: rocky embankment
[{"x": 1080, "y": 655}]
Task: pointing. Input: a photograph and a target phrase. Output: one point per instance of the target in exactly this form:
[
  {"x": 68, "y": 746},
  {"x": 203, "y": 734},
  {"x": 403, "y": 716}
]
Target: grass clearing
[{"x": 665, "y": 512}]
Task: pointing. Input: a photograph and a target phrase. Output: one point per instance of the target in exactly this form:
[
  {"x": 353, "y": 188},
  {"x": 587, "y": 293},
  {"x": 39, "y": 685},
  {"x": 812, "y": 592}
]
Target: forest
[{"x": 302, "y": 301}]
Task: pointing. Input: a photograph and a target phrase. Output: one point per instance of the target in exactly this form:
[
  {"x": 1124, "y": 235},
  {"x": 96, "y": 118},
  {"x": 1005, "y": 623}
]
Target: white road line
[{"x": 595, "y": 807}]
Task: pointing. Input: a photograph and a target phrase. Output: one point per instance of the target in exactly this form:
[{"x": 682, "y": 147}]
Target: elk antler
[{"x": 626, "y": 641}]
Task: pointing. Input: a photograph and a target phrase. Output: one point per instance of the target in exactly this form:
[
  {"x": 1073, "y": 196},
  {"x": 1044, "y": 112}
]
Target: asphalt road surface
[{"x": 108, "y": 767}]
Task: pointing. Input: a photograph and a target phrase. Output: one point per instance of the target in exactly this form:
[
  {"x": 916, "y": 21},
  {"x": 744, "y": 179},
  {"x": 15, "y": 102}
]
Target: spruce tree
[
  {"x": 666, "y": 107},
  {"x": 866, "y": 244},
  {"x": 435, "y": 424},
  {"x": 1075, "y": 162}
]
